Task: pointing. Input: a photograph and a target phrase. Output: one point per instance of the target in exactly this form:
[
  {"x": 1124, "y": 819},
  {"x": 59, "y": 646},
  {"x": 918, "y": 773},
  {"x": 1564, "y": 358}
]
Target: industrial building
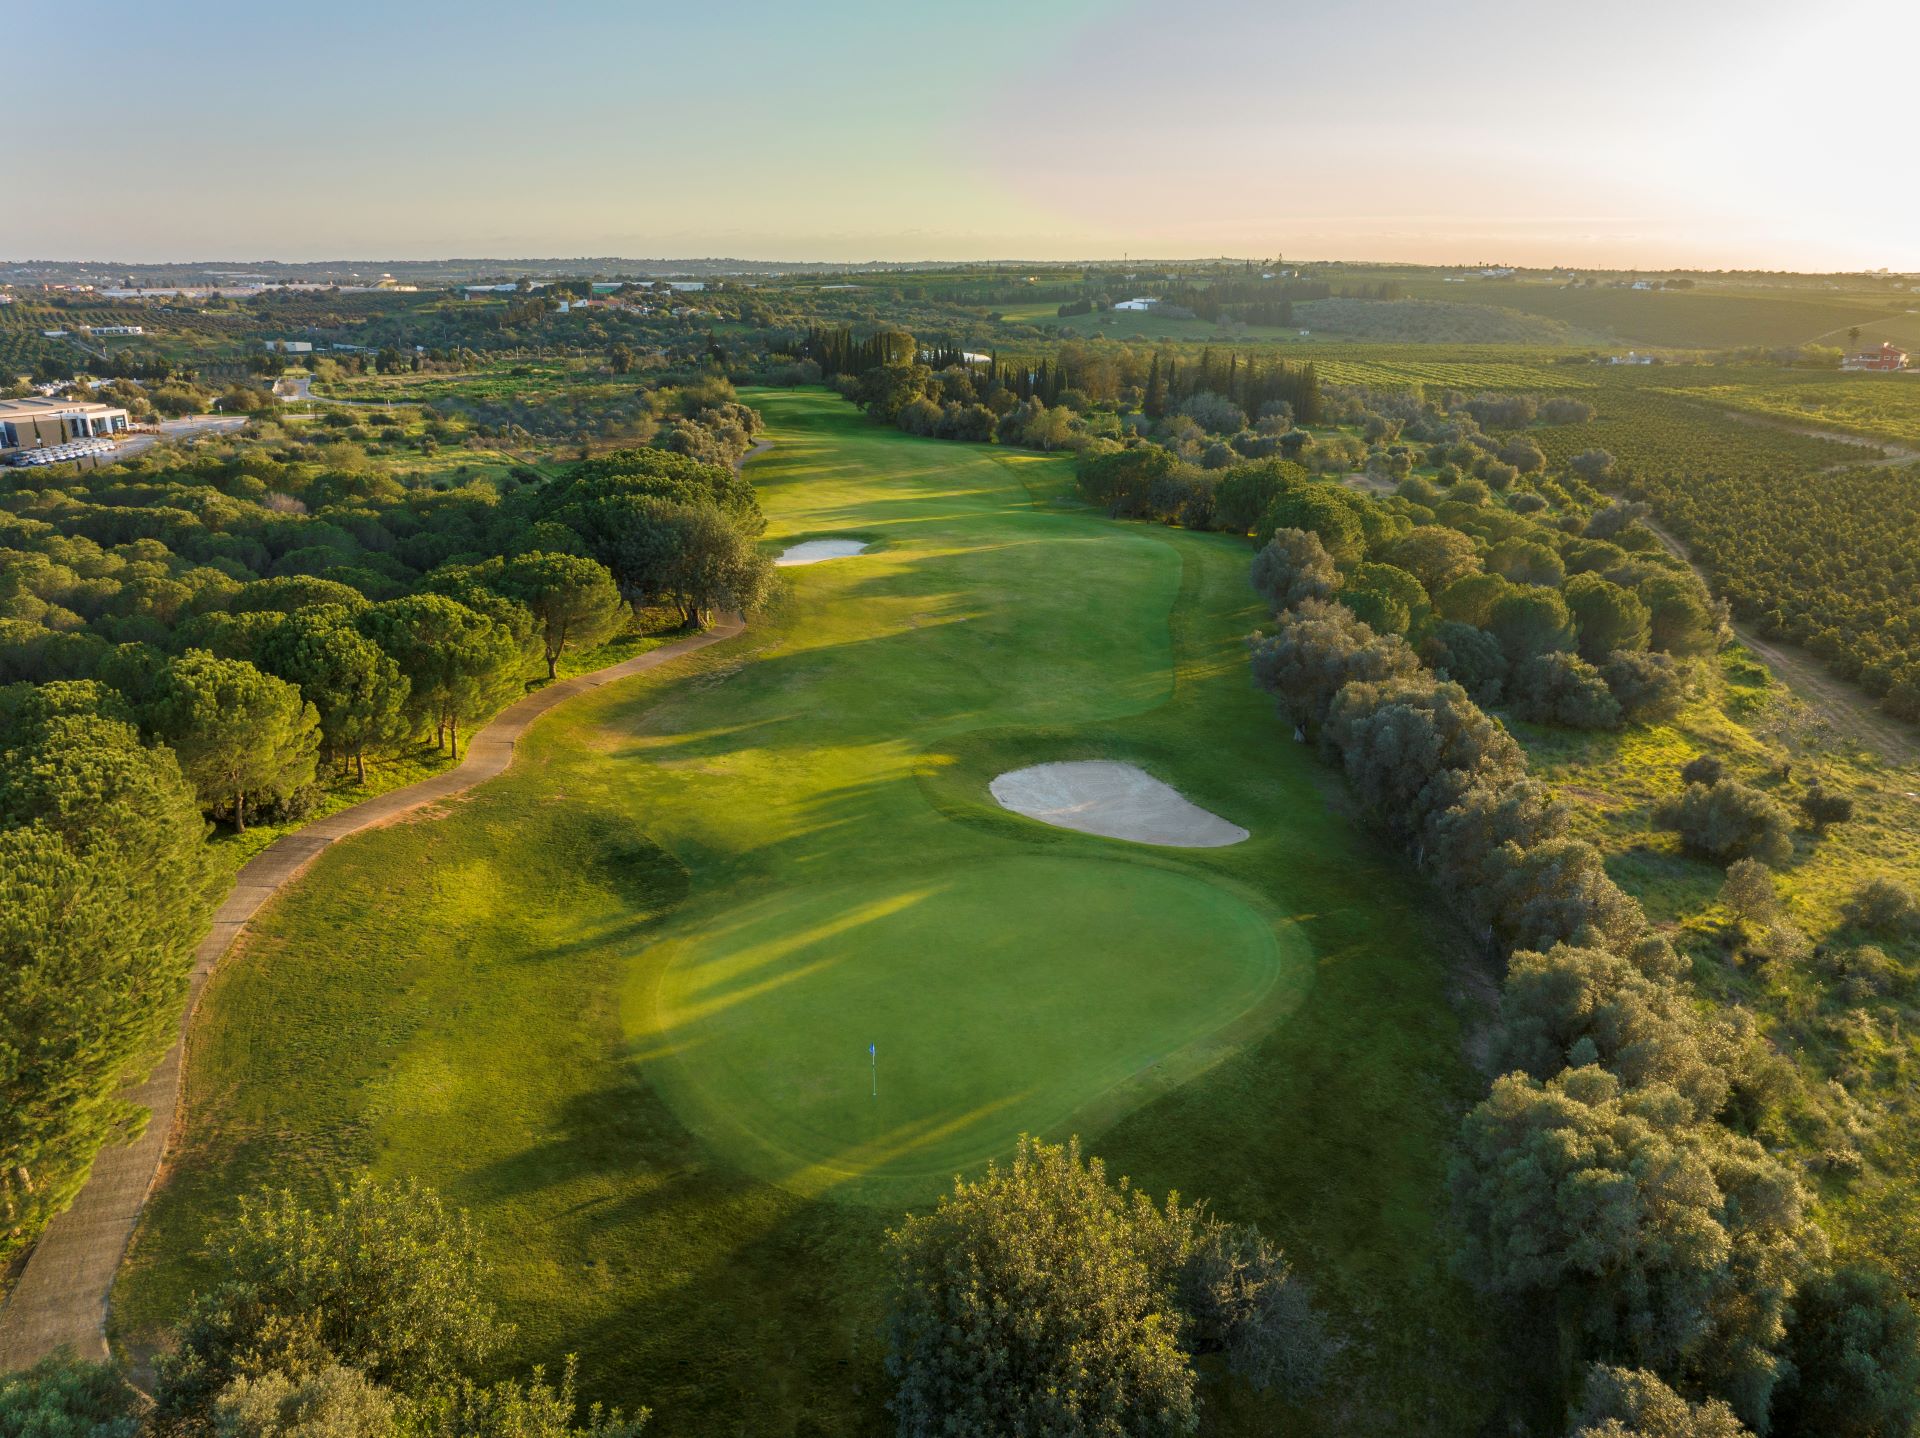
[{"x": 38, "y": 423}]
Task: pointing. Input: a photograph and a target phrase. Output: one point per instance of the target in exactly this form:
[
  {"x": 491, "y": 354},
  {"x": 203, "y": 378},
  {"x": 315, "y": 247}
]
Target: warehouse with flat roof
[{"x": 37, "y": 423}]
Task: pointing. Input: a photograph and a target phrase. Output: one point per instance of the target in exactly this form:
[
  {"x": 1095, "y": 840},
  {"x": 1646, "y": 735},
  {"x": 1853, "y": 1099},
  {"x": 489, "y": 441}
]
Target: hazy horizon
[
  {"x": 921, "y": 261},
  {"x": 1663, "y": 138}
]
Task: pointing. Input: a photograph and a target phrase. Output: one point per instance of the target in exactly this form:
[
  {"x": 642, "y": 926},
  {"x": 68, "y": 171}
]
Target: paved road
[
  {"x": 300, "y": 391},
  {"x": 61, "y": 1299},
  {"x": 190, "y": 428}
]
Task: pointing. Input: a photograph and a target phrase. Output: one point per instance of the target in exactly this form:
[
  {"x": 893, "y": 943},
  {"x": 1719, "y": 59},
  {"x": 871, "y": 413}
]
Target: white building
[
  {"x": 27, "y": 424},
  {"x": 1140, "y": 302}
]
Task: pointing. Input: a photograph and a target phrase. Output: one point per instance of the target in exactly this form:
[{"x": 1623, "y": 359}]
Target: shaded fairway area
[{"x": 619, "y": 1003}]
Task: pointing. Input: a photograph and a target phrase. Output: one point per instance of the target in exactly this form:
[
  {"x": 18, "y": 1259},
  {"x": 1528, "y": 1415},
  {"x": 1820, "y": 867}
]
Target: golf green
[
  {"x": 979, "y": 1029},
  {"x": 617, "y": 1002}
]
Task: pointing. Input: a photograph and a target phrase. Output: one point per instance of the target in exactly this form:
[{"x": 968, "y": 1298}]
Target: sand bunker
[
  {"x": 815, "y": 550},
  {"x": 1117, "y": 801}
]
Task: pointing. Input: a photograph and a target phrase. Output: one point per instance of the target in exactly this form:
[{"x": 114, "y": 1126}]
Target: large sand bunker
[
  {"x": 1118, "y": 801},
  {"x": 815, "y": 550}
]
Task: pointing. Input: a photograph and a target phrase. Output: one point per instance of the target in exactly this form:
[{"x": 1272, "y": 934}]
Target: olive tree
[
  {"x": 1730, "y": 821},
  {"x": 1574, "y": 1006},
  {"x": 1674, "y": 1243},
  {"x": 1293, "y": 567},
  {"x": 382, "y": 1278},
  {"x": 1633, "y": 1403},
  {"x": 1853, "y": 1355},
  {"x": 1318, "y": 649},
  {"x": 1037, "y": 1302}
]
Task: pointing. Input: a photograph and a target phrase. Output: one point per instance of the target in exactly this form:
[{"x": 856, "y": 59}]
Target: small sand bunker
[
  {"x": 815, "y": 550},
  {"x": 1117, "y": 801}
]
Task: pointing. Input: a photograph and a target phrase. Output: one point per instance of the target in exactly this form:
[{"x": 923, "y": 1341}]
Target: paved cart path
[{"x": 61, "y": 1299}]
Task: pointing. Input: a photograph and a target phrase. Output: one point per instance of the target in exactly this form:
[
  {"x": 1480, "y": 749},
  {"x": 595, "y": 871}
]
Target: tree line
[
  {"x": 1606, "y": 1184},
  {"x": 204, "y": 695},
  {"x": 1584, "y": 621}
]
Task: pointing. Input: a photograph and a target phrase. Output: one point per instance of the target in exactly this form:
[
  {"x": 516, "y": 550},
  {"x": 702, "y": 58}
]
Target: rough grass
[
  {"x": 1847, "y": 1117},
  {"x": 493, "y": 999}
]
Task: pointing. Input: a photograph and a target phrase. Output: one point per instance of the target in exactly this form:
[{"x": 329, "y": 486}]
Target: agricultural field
[
  {"x": 619, "y": 1002},
  {"x": 1674, "y": 433},
  {"x": 1317, "y": 321},
  {"x": 1874, "y": 406},
  {"x": 1699, "y": 318},
  {"x": 1827, "y": 565},
  {"x": 1143, "y": 326},
  {"x": 518, "y": 379}
]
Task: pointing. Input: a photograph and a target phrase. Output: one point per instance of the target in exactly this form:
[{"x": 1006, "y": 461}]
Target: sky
[{"x": 1736, "y": 134}]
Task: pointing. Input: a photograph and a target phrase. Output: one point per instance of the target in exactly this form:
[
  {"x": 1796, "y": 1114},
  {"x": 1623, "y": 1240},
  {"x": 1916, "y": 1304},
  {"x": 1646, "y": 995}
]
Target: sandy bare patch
[
  {"x": 815, "y": 550},
  {"x": 1117, "y": 801}
]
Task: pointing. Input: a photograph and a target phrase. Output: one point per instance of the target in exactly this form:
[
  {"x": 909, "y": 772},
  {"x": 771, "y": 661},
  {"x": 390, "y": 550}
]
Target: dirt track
[
  {"x": 61, "y": 1298},
  {"x": 1848, "y": 708}
]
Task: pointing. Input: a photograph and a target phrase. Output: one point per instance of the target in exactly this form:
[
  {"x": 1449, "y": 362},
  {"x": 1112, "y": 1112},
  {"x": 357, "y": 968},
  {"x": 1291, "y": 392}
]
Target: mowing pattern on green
[{"x": 771, "y": 1013}]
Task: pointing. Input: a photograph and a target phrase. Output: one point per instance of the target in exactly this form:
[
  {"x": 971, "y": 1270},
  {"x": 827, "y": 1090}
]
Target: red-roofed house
[{"x": 1887, "y": 357}]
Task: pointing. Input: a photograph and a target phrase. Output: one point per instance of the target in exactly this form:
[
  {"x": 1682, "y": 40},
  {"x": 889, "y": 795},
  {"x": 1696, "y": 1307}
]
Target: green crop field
[
  {"x": 619, "y": 1002},
  {"x": 1685, "y": 319},
  {"x": 497, "y": 379},
  {"x": 1878, "y": 406}
]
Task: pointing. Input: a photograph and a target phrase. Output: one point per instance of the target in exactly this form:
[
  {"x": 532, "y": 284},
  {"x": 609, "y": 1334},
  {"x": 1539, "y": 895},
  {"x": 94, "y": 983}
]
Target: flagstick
[{"x": 874, "y": 1054}]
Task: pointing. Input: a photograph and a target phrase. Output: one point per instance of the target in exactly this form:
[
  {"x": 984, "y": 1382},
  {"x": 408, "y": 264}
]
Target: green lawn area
[{"x": 618, "y": 1003}]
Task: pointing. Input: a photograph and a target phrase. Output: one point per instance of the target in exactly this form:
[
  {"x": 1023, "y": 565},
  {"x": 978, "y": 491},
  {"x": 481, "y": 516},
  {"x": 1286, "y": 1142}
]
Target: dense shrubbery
[
  {"x": 1043, "y": 1299},
  {"x": 699, "y": 417},
  {"x": 1730, "y": 820},
  {"x": 364, "y": 1318},
  {"x": 1582, "y": 621},
  {"x": 1604, "y": 1174}
]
